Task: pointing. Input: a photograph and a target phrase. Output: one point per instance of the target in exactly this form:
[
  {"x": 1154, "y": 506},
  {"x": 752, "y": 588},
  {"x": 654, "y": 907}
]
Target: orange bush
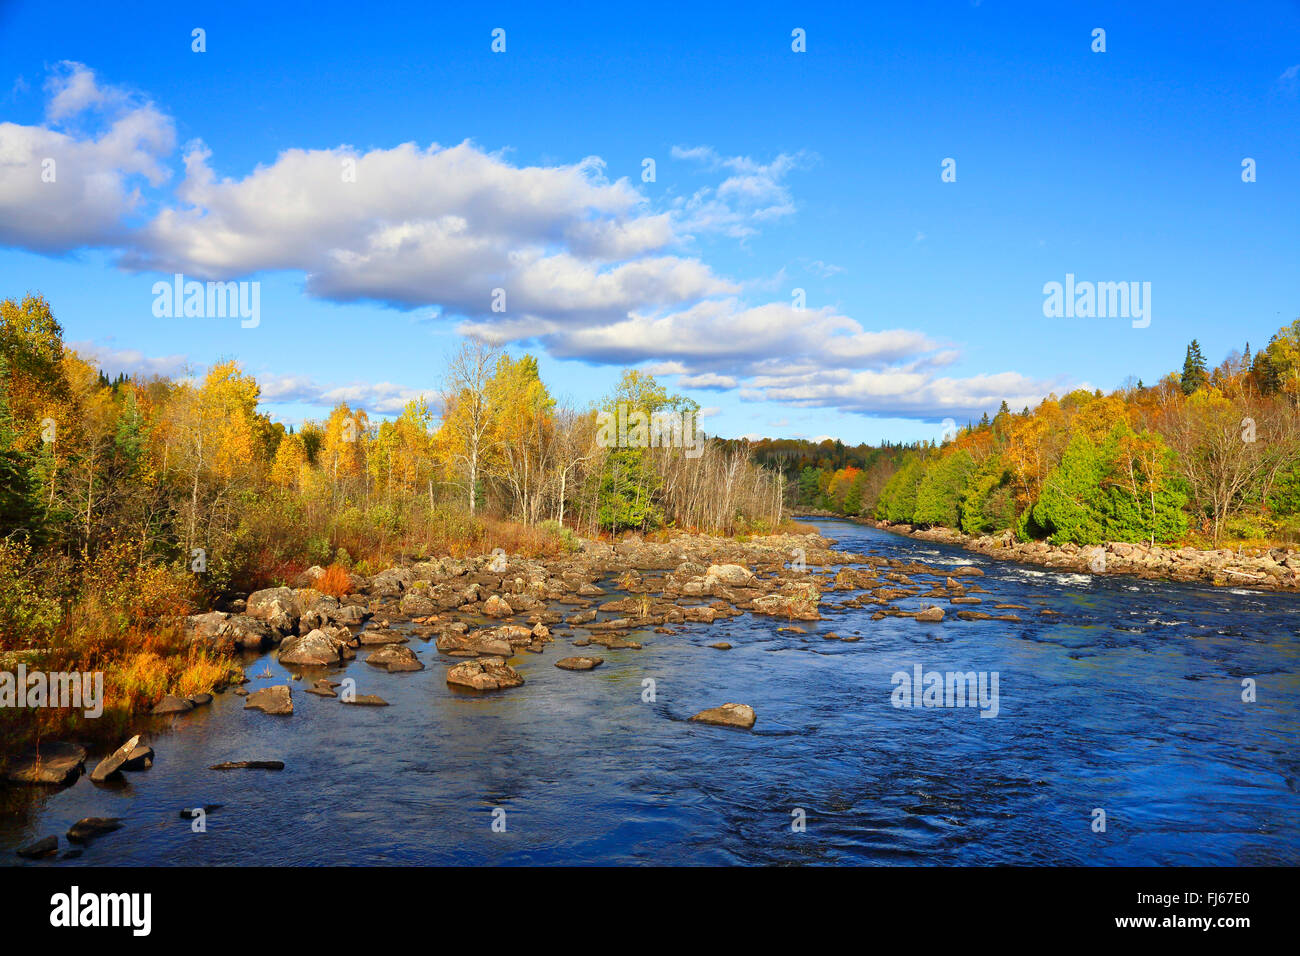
[{"x": 335, "y": 581}]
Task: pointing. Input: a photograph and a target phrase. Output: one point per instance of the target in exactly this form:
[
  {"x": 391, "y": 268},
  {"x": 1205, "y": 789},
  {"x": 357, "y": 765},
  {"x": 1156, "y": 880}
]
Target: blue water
[{"x": 1129, "y": 701}]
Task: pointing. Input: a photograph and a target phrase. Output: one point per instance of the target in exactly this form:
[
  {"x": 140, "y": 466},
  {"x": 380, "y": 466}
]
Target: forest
[
  {"x": 126, "y": 503},
  {"x": 1204, "y": 457}
]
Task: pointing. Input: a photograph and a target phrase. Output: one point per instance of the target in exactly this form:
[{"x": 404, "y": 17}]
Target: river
[{"x": 1129, "y": 701}]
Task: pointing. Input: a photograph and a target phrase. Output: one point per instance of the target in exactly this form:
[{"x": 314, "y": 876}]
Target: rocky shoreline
[
  {"x": 484, "y": 612},
  {"x": 1276, "y": 569}
]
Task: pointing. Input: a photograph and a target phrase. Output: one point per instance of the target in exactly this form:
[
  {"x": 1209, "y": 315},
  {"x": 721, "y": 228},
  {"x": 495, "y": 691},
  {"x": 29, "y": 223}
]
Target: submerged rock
[
  {"x": 249, "y": 765},
  {"x": 271, "y": 700},
  {"x": 579, "y": 663},
  {"x": 86, "y": 829},
  {"x": 728, "y": 715},
  {"x": 366, "y": 700},
  {"x": 40, "y": 849}
]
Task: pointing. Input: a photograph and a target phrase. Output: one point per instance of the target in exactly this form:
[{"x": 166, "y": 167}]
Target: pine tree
[{"x": 1195, "y": 374}]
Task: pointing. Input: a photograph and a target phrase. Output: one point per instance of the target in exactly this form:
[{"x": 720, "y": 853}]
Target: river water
[{"x": 1128, "y": 701}]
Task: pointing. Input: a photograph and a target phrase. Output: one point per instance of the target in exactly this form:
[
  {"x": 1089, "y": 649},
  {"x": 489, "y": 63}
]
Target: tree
[
  {"x": 1195, "y": 375},
  {"x": 20, "y": 512},
  {"x": 938, "y": 495},
  {"x": 469, "y": 419}
]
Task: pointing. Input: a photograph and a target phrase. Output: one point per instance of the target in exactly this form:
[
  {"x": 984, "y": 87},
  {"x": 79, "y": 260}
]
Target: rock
[
  {"x": 489, "y": 673},
  {"x": 316, "y": 648},
  {"x": 579, "y": 663},
  {"x": 381, "y": 636},
  {"x": 395, "y": 658},
  {"x": 113, "y": 763},
  {"x": 249, "y": 765},
  {"x": 86, "y": 829},
  {"x": 139, "y": 758},
  {"x": 272, "y": 700},
  {"x": 417, "y": 604},
  {"x": 366, "y": 700},
  {"x": 53, "y": 763},
  {"x": 968, "y": 570},
  {"x": 322, "y": 688},
  {"x": 276, "y": 606},
  {"x": 189, "y": 813},
  {"x": 729, "y": 575},
  {"x": 699, "y": 615},
  {"x": 172, "y": 705},
  {"x": 497, "y": 607},
  {"x": 721, "y": 646},
  {"x": 930, "y": 614},
  {"x": 207, "y": 629},
  {"x": 40, "y": 849},
  {"x": 200, "y": 700},
  {"x": 728, "y": 715},
  {"x": 248, "y": 632}
]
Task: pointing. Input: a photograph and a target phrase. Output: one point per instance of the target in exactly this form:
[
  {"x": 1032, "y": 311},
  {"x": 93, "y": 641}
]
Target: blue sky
[{"x": 775, "y": 171}]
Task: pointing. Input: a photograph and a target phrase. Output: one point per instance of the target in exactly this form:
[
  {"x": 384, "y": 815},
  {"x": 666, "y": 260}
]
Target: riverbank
[
  {"x": 1275, "y": 569},
  {"x": 568, "y": 749}
]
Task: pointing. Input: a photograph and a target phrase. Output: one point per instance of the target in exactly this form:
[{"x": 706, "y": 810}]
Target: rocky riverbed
[{"x": 589, "y": 691}]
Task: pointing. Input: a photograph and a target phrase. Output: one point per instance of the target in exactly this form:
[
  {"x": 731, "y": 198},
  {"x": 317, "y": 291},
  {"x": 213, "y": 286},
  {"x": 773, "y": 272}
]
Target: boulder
[
  {"x": 394, "y": 658},
  {"x": 139, "y": 757},
  {"x": 728, "y": 575},
  {"x": 728, "y": 715},
  {"x": 276, "y": 606},
  {"x": 316, "y": 648},
  {"x": 930, "y": 615},
  {"x": 172, "y": 704},
  {"x": 271, "y": 700},
  {"x": 489, "y": 673},
  {"x": 53, "y": 763},
  {"x": 113, "y": 763},
  {"x": 495, "y": 606}
]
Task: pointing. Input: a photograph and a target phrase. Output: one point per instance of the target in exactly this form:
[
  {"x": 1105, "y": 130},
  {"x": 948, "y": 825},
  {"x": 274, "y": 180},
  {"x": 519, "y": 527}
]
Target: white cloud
[
  {"x": 114, "y": 361},
  {"x": 61, "y": 189},
  {"x": 753, "y": 193}
]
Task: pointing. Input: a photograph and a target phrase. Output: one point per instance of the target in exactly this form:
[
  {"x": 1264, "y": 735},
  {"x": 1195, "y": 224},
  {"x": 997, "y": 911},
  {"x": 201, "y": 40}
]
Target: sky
[{"x": 853, "y": 240}]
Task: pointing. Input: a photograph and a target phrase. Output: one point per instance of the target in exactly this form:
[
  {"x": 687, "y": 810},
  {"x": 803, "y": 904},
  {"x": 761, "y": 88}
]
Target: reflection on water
[{"x": 1128, "y": 700}]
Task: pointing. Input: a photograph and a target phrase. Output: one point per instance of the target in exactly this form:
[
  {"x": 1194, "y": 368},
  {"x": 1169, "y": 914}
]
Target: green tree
[
  {"x": 938, "y": 495},
  {"x": 1195, "y": 374}
]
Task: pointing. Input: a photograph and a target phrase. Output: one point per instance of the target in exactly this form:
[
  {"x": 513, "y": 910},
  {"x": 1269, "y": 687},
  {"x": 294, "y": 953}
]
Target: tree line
[
  {"x": 175, "y": 471},
  {"x": 1203, "y": 456}
]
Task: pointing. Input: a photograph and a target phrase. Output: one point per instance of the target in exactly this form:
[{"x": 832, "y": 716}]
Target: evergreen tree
[
  {"x": 20, "y": 513},
  {"x": 1195, "y": 374}
]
